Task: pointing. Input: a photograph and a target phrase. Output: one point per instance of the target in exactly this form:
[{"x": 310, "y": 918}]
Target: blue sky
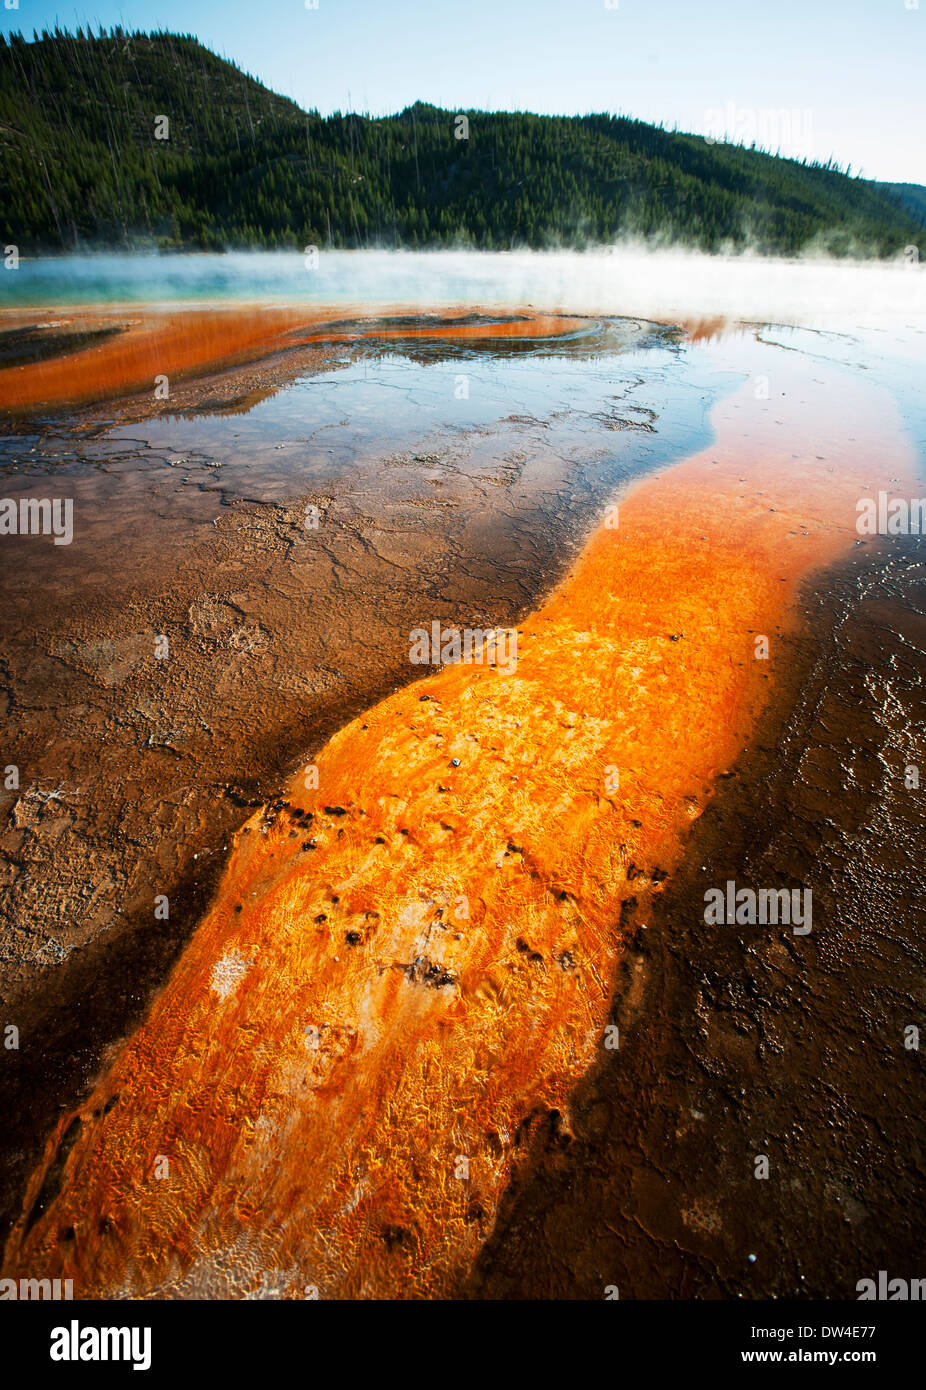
[{"x": 823, "y": 77}]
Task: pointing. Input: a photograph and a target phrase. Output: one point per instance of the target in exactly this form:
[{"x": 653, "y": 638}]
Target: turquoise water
[
  {"x": 336, "y": 277},
  {"x": 621, "y": 280}
]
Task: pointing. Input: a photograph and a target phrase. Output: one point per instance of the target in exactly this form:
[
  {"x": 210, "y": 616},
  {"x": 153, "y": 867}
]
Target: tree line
[{"x": 123, "y": 139}]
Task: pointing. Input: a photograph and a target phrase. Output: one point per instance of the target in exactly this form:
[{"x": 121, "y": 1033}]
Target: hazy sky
[{"x": 817, "y": 77}]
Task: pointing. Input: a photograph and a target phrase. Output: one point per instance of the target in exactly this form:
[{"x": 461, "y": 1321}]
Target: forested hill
[
  {"x": 912, "y": 197},
  {"x": 80, "y": 165}
]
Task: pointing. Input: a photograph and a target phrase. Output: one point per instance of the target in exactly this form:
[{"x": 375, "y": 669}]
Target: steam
[{"x": 629, "y": 279}]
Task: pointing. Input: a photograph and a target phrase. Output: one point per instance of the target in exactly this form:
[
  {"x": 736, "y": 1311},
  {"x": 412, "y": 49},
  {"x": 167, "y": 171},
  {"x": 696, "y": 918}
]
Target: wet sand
[{"x": 437, "y": 1043}]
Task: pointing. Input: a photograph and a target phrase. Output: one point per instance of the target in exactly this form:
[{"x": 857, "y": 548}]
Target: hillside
[
  {"x": 80, "y": 165},
  {"x": 912, "y": 197}
]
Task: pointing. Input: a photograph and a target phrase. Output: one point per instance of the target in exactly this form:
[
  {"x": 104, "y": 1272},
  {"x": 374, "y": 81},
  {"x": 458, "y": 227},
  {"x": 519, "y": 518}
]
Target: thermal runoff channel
[{"x": 414, "y": 951}]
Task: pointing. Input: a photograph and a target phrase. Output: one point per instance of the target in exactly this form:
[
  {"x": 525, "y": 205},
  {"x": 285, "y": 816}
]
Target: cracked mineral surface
[{"x": 370, "y": 1037}]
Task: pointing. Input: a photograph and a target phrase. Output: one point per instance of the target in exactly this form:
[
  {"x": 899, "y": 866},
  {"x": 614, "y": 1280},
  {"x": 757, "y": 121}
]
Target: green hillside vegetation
[
  {"x": 911, "y": 196},
  {"x": 80, "y": 166}
]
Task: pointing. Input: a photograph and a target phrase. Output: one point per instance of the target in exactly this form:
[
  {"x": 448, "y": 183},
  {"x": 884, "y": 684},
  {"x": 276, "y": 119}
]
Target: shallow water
[
  {"x": 435, "y": 502},
  {"x": 625, "y": 279}
]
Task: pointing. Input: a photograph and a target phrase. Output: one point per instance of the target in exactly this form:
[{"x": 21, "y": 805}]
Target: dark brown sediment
[
  {"x": 135, "y": 773},
  {"x": 742, "y": 1041},
  {"x": 546, "y": 1250},
  {"x": 646, "y": 655}
]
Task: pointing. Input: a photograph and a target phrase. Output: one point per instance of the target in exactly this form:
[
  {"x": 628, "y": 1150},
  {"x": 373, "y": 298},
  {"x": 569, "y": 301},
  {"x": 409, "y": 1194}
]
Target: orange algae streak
[
  {"x": 403, "y": 966},
  {"x": 175, "y": 343}
]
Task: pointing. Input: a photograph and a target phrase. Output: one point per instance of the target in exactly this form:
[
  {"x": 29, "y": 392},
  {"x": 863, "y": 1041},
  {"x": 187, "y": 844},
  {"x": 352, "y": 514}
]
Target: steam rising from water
[{"x": 627, "y": 279}]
